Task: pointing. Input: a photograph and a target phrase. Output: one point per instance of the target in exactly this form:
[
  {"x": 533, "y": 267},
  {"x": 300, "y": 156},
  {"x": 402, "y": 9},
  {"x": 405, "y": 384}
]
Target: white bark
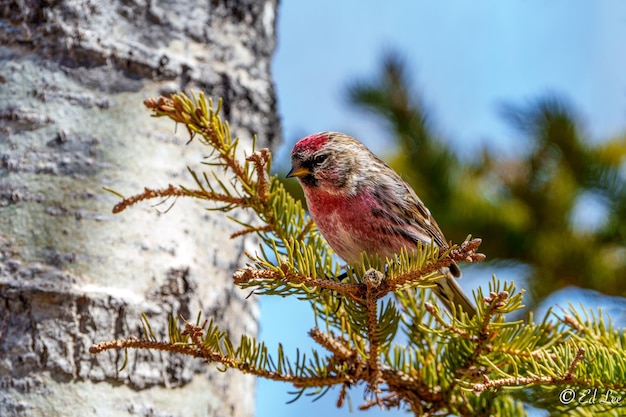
[{"x": 73, "y": 76}]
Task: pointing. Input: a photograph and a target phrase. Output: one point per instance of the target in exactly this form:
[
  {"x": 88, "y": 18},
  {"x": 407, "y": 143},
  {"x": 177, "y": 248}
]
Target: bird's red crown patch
[{"x": 312, "y": 142}]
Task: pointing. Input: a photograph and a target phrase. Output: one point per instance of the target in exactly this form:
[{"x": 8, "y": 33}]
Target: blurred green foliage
[{"x": 532, "y": 209}]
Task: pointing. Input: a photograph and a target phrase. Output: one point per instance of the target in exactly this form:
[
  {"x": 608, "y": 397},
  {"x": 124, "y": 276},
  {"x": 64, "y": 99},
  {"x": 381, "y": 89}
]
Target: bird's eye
[{"x": 319, "y": 159}]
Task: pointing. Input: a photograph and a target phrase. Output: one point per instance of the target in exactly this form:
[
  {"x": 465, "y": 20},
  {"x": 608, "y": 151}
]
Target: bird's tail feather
[{"x": 451, "y": 294}]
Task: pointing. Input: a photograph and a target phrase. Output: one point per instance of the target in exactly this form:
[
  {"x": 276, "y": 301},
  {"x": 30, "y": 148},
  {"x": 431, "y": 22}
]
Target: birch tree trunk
[{"x": 73, "y": 76}]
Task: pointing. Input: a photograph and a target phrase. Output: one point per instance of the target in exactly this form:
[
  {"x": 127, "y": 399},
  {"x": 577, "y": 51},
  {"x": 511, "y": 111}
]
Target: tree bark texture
[{"x": 73, "y": 76}]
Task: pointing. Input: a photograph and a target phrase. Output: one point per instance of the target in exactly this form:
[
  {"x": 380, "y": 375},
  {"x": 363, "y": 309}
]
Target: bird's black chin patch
[{"x": 309, "y": 180}]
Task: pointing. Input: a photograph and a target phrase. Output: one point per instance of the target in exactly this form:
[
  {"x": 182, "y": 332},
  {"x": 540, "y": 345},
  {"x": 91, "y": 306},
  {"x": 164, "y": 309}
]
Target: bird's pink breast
[{"x": 349, "y": 225}]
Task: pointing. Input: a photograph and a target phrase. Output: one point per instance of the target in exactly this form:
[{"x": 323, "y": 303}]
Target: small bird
[{"x": 361, "y": 205}]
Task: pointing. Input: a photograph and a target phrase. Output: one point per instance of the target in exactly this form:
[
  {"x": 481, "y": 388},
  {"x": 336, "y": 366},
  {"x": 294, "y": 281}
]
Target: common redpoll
[{"x": 361, "y": 205}]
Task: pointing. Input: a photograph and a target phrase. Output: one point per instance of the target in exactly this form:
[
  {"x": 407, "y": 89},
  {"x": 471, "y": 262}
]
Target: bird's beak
[{"x": 298, "y": 172}]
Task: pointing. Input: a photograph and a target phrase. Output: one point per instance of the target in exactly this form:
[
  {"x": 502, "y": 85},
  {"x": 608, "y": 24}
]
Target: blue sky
[{"x": 466, "y": 58}]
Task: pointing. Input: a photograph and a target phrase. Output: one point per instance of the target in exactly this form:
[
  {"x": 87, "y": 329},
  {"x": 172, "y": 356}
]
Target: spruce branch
[
  {"x": 375, "y": 324},
  {"x": 566, "y": 378}
]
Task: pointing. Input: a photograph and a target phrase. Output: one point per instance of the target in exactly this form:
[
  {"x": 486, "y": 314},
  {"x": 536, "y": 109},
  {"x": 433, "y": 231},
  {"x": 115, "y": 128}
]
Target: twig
[
  {"x": 266, "y": 228},
  {"x": 373, "y": 280},
  {"x": 572, "y": 367},
  {"x": 146, "y": 344},
  {"x": 149, "y": 193},
  {"x": 171, "y": 191},
  {"x": 260, "y": 159},
  {"x": 465, "y": 252},
  {"x": 514, "y": 381},
  {"x": 247, "y": 275},
  {"x": 339, "y": 348}
]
